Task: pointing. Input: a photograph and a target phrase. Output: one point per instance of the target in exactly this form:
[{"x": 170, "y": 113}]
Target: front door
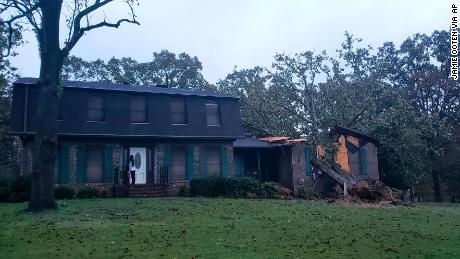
[{"x": 140, "y": 162}]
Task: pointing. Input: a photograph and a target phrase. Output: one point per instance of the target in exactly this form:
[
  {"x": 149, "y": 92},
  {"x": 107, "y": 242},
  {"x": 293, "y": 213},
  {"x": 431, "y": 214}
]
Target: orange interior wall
[{"x": 342, "y": 155}]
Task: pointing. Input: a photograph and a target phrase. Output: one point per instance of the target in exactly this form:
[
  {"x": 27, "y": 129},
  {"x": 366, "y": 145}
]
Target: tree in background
[
  {"x": 402, "y": 95},
  {"x": 43, "y": 16},
  {"x": 8, "y": 146},
  {"x": 261, "y": 114},
  {"x": 181, "y": 71}
]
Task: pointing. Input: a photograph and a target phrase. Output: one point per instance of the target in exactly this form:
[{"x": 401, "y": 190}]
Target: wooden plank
[{"x": 339, "y": 178}]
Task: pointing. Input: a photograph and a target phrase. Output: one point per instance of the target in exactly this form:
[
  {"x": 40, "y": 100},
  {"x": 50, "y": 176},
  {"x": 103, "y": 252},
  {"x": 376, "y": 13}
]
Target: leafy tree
[
  {"x": 43, "y": 16},
  {"x": 182, "y": 71},
  {"x": 261, "y": 114},
  {"x": 8, "y": 145}
]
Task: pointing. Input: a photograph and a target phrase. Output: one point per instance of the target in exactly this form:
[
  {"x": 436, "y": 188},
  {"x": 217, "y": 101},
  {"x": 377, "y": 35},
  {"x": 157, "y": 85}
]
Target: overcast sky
[{"x": 246, "y": 33}]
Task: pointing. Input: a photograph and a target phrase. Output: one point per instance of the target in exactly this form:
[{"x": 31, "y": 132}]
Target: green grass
[{"x": 228, "y": 228}]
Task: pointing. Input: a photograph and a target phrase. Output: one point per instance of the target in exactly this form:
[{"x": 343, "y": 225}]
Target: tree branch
[{"x": 78, "y": 31}]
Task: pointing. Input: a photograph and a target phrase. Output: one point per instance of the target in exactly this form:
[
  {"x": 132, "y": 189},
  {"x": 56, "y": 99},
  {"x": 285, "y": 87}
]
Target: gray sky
[{"x": 247, "y": 33}]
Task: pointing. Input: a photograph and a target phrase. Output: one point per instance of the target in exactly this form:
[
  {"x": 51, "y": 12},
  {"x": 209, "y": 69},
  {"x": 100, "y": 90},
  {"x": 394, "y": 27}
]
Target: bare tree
[{"x": 44, "y": 18}]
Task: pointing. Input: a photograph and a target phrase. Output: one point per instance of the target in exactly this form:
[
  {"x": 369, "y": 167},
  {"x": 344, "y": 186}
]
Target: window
[
  {"x": 178, "y": 162},
  {"x": 178, "y": 111},
  {"x": 138, "y": 109},
  {"x": 94, "y": 164},
  {"x": 213, "y": 161},
  {"x": 212, "y": 114},
  {"x": 96, "y": 107}
]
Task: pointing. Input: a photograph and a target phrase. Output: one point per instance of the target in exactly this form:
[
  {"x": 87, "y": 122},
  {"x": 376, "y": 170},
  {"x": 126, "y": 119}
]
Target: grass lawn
[{"x": 228, "y": 228}]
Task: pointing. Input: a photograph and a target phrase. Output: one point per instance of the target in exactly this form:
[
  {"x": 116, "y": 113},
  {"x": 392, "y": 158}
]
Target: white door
[{"x": 140, "y": 162}]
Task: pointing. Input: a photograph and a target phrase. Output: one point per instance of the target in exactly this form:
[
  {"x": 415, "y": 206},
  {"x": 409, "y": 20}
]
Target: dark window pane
[
  {"x": 94, "y": 164},
  {"x": 178, "y": 111},
  {"x": 96, "y": 107},
  {"x": 138, "y": 109},
  {"x": 213, "y": 161},
  {"x": 212, "y": 114},
  {"x": 178, "y": 162}
]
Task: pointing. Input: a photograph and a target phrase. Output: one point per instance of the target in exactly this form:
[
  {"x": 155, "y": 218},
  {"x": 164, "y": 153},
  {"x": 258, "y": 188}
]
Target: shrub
[
  {"x": 20, "y": 184},
  {"x": 184, "y": 190},
  {"x": 5, "y": 193},
  {"x": 4, "y": 182},
  {"x": 18, "y": 197},
  {"x": 306, "y": 192},
  {"x": 87, "y": 192},
  {"x": 269, "y": 190},
  {"x": 214, "y": 186},
  {"x": 20, "y": 189},
  {"x": 63, "y": 192}
]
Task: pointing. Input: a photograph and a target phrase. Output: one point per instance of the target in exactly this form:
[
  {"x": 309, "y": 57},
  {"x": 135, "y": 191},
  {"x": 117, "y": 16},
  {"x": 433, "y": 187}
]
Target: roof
[
  {"x": 127, "y": 88},
  {"x": 274, "y": 139},
  {"x": 268, "y": 142},
  {"x": 348, "y": 131},
  {"x": 251, "y": 143}
]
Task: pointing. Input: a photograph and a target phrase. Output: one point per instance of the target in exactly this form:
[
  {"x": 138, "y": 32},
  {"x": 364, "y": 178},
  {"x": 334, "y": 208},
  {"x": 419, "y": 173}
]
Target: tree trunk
[
  {"x": 45, "y": 140},
  {"x": 436, "y": 186}
]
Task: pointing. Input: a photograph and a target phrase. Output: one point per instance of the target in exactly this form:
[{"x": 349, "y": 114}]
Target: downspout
[{"x": 26, "y": 108}]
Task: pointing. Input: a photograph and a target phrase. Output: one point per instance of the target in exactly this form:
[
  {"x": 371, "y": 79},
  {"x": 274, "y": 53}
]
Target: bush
[
  {"x": 4, "y": 182},
  {"x": 20, "y": 189},
  {"x": 184, "y": 190},
  {"x": 18, "y": 197},
  {"x": 269, "y": 190},
  {"x": 5, "y": 193},
  {"x": 306, "y": 192},
  {"x": 21, "y": 184},
  {"x": 63, "y": 192},
  {"x": 215, "y": 186},
  {"x": 88, "y": 193}
]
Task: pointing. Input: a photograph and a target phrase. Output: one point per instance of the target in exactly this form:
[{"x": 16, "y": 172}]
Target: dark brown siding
[
  {"x": 372, "y": 161},
  {"x": 117, "y": 115}
]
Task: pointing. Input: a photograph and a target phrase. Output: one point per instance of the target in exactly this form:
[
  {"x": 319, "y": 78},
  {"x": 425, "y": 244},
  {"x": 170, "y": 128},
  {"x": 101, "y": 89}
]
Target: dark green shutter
[
  {"x": 362, "y": 156},
  {"x": 108, "y": 164},
  {"x": 223, "y": 161},
  {"x": 308, "y": 161},
  {"x": 190, "y": 165},
  {"x": 81, "y": 164},
  {"x": 203, "y": 161},
  {"x": 64, "y": 164}
]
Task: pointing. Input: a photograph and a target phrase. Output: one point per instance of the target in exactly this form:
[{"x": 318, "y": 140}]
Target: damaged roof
[
  {"x": 251, "y": 143},
  {"x": 268, "y": 142},
  {"x": 337, "y": 130}
]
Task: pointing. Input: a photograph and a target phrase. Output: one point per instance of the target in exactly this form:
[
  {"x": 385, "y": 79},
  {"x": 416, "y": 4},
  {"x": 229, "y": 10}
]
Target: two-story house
[{"x": 173, "y": 134}]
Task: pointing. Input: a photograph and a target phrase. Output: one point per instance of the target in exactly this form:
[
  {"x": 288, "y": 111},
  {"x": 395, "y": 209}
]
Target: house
[
  {"x": 294, "y": 163},
  {"x": 173, "y": 134}
]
